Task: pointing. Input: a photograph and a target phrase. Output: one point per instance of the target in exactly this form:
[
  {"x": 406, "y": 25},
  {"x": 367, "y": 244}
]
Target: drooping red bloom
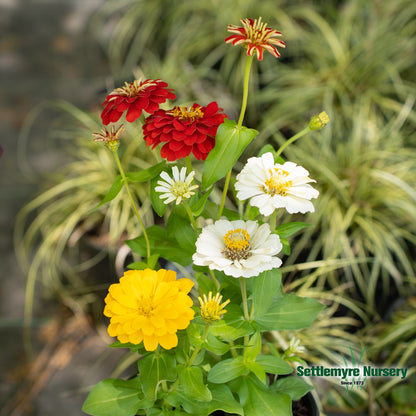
[
  {"x": 184, "y": 130},
  {"x": 255, "y": 36},
  {"x": 135, "y": 97}
]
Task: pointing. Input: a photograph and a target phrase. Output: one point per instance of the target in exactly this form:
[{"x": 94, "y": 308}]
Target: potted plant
[{"x": 201, "y": 338}]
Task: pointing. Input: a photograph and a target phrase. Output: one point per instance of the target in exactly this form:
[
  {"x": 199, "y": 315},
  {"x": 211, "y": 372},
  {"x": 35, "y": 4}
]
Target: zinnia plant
[{"x": 201, "y": 338}]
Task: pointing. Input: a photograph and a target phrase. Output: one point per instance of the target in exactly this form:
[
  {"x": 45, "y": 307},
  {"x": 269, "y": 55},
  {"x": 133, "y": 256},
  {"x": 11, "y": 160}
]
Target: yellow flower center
[
  {"x": 211, "y": 308},
  {"x": 277, "y": 184},
  {"x": 257, "y": 32},
  {"x": 146, "y": 306},
  {"x": 179, "y": 189},
  {"x": 237, "y": 244},
  {"x": 187, "y": 113}
]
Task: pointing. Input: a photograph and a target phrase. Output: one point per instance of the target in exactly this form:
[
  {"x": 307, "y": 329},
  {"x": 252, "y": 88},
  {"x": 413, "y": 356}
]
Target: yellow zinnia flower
[{"x": 149, "y": 306}]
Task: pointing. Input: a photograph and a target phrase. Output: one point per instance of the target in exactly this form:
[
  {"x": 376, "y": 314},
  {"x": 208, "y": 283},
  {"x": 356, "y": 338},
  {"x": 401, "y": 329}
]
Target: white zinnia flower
[
  {"x": 238, "y": 248},
  {"x": 177, "y": 188},
  {"x": 271, "y": 186}
]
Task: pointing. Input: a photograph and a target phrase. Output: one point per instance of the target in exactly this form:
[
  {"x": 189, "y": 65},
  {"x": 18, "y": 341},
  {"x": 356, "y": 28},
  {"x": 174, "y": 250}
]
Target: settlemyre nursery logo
[{"x": 354, "y": 374}]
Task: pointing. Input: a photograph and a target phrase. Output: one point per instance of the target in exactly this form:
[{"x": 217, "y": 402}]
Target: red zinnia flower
[
  {"x": 135, "y": 97},
  {"x": 255, "y": 36},
  {"x": 184, "y": 130}
]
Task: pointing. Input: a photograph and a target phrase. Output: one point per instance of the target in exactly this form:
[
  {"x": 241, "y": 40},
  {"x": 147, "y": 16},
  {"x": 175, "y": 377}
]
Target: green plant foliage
[{"x": 114, "y": 396}]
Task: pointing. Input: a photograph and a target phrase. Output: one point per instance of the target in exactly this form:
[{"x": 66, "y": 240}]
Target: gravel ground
[{"x": 46, "y": 52}]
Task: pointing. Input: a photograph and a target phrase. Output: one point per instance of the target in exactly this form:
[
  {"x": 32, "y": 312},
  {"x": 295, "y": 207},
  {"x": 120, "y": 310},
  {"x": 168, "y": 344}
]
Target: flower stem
[
  {"x": 245, "y": 90},
  {"x": 188, "y": 164},
  {"x": 249, "y": 61},
  {"x": 244, "y": 295},
  {"x": 191, "y": 216},
  {"x": 272, "y": 220},
  {"x": 136, "y": 211},
  {"x": 214, "y": 279},
  {"x": 224, "y": 193},
  {"x": 292, "y": 139}
]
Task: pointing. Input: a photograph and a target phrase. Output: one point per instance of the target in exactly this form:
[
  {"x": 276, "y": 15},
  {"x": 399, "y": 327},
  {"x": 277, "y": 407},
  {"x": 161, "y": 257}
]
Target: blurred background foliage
[{"x": 355, "y": 60}]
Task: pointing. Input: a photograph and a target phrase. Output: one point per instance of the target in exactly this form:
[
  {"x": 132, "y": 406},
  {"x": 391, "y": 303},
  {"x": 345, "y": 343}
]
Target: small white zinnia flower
[
  {"x": 238, "y": 248},
  {"x": 177, "y": 188},
  {"x": 269, "y": 185}
]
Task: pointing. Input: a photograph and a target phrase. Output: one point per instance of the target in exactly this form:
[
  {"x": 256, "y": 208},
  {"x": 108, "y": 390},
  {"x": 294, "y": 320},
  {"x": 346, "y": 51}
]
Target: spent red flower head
[
  {"x": 184, "y": 130},
  {"x": 256, "y": 37},
  {"x": 135, "y": 97}
]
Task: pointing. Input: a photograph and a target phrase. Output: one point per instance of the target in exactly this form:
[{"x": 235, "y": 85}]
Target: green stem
[
  {"x": 136, "y": 211},
  {"x": 224, "y": 194},
  {"x": 244, "y": 296},
  {"x": 188, "y": 164},
  {"x": 292, "y": 139},
  {"x": 249, "y": 61},
  {"x": 245, "y": 90},
  {"x": 272, "y": 220},
  {"x": 192, "y": 359},
  {"x": 190, "y": 215},
  {"x": 214, "y": 279}
]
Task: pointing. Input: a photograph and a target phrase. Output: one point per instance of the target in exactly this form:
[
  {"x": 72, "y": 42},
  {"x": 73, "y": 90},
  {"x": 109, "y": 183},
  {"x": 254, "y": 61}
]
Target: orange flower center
[
  {"x": 237, "y": 244},
  {"x": 187, "y": 113},
  {"x": 132, "y": 89},
  {"x": 277, "y": 184}
]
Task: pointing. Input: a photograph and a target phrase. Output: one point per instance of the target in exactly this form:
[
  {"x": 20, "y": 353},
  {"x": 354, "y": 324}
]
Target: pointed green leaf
[
  {"x": 286, "y": 230},
  {"x": 154, "y": 369},
  {"x": 158, "y": 205},
  {"x": 230, "y": 142},
  {"x": 215, "y": 345},
  {"x": 295, "y": 387},
  {"x": 192, "y": 383},
  {"x": 289, "y": 312},
  {"x": 199, "y": 205},
  {"x": 112, "y": 193},
  {"x": 232, "y": 325},
  {"x": 261, "y": 401},
  {"x": 274, "y": 365},
  {"x": 115, "y": 397},
  {"x": 146, "y": 174},
  {"x": 222, "y": 399},
  {"x": 227, "y": 370},
  {"x": 257, "y": 370},
  {"x": 253, "y": 348},
  {"x": 266, "y": 286}
]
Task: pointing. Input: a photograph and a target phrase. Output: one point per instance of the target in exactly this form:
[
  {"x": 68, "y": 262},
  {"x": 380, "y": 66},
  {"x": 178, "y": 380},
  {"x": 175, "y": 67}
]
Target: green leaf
[
  {"x": 227, "y": 370},
  {"x": 232, "y": 325},
  {"x": 192, "y": 383},
  {"x": 286, "y": 246},
  {"x": 199, "y": 205},
  {"x": 115, "y": 397},
  {"x": 155, "y": 368},
  {"x": 267, "y": 148},
  {"x": 112, "y": 193},
  {"x": 222, "y": 399},
  {"x": 260, "y": 400},
  {"x": 290, "y": 228},
  {"x": 183, "y": 232},
  {"x": 257, "y": 370},
  {"x": 167, "y": 247},
  {"x": 253, "y": 348},
  {"x": 205, "y": 283},
  {"x": 266, "y": 286},
  {"x": 289, "y": 312},
  {"x": 295, "y": 387},
  {"x": 274, "y": 365},
  {"x": 230, "y": 142},
  {"x": 146, "y": 174},
  {"x": 158, "y": 205},
  {"x": 215, "y": 345}
]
